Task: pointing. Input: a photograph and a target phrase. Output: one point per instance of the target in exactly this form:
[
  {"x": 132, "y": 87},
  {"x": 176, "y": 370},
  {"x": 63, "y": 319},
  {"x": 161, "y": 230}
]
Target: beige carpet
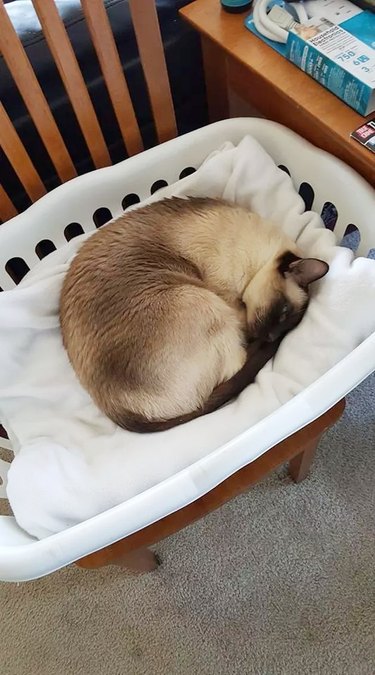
[{"x": 279, "y": 582}]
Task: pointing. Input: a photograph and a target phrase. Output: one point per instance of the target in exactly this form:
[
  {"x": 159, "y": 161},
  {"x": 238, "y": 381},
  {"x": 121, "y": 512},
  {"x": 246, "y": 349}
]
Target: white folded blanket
[{"x": 70, "y": 461}]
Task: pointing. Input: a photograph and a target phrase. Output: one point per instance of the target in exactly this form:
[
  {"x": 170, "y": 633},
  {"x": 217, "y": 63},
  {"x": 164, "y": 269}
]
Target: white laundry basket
[{"x": 88, "y": 201}]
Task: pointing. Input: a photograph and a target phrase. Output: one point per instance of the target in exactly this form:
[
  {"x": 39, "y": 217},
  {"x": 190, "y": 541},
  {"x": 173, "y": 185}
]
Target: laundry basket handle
[{"x": 4, "y": 468}]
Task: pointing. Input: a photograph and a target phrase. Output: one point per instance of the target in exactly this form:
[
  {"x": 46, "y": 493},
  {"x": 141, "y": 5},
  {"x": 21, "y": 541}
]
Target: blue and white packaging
[{"x": 336, "y": 46}]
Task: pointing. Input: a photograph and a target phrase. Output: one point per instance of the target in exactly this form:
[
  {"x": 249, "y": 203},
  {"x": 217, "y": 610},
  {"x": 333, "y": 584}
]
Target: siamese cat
[{"x": 171, "y": 310}]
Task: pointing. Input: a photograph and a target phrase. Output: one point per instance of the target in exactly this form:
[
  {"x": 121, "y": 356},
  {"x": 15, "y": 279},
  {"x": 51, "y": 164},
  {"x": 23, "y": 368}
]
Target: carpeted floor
[{"x": 279, "y": 582}]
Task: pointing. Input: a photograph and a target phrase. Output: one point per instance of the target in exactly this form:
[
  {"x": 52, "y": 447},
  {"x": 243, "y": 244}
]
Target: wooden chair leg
[
  {"x": 215, "y": 71},
  {"x": 300, "y": 465},
  {"x": 141, "y": 560}
]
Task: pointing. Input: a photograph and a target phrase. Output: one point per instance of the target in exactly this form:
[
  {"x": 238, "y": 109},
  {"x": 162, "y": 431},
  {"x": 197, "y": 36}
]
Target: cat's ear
[{"x": 307, "y": 270}]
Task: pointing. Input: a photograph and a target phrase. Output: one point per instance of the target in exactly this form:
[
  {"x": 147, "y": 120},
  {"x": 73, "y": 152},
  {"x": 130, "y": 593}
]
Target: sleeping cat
[{"x": 172, "y": 309}]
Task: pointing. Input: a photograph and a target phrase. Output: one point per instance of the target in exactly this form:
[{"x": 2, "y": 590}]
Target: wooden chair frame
[
  {"x": 297, "y": 449},
  {"x": 150, "y": 47}
]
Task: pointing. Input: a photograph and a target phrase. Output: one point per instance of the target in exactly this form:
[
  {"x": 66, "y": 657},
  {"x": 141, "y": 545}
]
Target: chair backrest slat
[
  {"x": 18, "y": 157},
  {"x": 70, "y": 73},
  {"x": 34, "y": 99},
  {"x": 7, "y": 208},
  {"x": 105, "y": 46},
  {"x": 150, "y": 46}
]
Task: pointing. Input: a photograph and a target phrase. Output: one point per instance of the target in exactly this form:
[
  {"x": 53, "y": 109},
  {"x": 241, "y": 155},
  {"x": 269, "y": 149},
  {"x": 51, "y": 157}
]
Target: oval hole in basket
[
  {"x": 284, "y": 168},
  {"x": 101, "y": 216},
  {"x": 158, "y": 185},
  {"x": 129, "y": 200},
  {"x": 351, "y": 238},
  {"x": 3, "y": 433},
  {"x": 44, "y": 248},
  {"x": 17, "y": 269},
  {"x": 73, "y": 230},
  {"x": 307, "y": 194},
  {"x": 329, "y": 215},
  {"x": 187, "y": 172},
  {"x": 371, "y": 254}
]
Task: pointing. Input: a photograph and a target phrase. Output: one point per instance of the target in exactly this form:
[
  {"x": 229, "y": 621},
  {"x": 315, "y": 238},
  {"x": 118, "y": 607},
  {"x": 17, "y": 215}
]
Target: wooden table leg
[
  {"x": 300, "y": 465},
  {"x": 215, "y": 70}
]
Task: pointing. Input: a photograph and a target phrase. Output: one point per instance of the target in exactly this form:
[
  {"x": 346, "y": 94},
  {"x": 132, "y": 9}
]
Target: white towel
[{"x": 70, "y": 461}]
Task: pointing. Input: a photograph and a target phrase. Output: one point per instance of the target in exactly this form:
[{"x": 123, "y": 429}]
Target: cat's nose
[{"x": 272, "y": 336}]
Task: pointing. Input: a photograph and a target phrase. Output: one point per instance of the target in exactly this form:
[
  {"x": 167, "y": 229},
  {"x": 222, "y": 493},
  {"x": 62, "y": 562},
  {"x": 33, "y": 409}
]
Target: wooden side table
[{"x": 235, "y": 58}]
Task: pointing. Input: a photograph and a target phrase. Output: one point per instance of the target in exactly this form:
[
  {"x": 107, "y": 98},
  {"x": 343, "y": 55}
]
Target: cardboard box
[{"x": 336, "y": 46}]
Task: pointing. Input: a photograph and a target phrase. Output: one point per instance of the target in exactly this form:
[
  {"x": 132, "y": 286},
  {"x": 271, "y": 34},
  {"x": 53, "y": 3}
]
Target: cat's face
[{"x": 278, "y": 296}]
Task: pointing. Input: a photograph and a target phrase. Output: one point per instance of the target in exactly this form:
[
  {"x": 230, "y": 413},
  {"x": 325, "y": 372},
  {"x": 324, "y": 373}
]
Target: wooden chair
[{"x": 299, "y": 448}]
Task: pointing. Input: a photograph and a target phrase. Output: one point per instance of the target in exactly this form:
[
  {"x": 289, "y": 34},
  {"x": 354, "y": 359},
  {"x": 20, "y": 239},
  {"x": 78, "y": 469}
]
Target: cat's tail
[{"x": 258, "y": 353}]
